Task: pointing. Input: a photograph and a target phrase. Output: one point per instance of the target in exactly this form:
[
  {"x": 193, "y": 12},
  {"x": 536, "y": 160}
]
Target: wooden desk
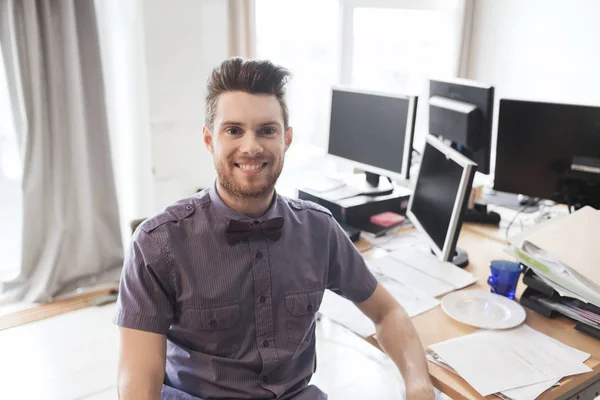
[{"x": 435, "y": 326}]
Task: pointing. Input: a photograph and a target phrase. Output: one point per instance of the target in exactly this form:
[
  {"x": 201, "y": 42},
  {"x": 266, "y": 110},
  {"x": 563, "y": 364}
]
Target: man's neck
[{"x": 253, "y": 208}]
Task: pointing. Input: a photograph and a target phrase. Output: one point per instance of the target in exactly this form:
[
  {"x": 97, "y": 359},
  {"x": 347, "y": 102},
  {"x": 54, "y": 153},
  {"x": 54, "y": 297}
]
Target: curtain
[
  {"x": 71, "y": 235},
  {"x": 241, "y": 30}
]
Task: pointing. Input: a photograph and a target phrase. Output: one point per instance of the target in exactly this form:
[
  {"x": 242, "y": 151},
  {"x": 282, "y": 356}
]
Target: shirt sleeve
[
  {"x": 348, "y": 274},
  {"x": 146, "y": 291}
]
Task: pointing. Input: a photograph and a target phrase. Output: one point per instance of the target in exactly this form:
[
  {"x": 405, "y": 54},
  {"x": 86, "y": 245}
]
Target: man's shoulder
[
  {"x": 176, "y": 212},
  {"x": 307, "y": 206}
]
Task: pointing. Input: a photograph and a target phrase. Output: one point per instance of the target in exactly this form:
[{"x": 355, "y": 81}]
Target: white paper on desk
[
  {"x": 411, "y": 277},
  {"x": 413, "y": 303},
  {"x": 497, "y": 361},
  {"x": 399, "y": 240},
  {"x": 429, "y": 264},
  {"x": 345, "y": 313},
  {"x": 530, "y": 392}
]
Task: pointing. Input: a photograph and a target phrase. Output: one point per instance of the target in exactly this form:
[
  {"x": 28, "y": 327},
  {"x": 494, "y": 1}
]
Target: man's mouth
[{"x": 251, "y": 168}]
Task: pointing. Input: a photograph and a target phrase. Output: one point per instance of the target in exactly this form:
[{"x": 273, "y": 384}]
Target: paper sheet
[
  {"x": 411, "y": 277},
  {"x": 426, "y": 262},
  {"x": 497, "y": 361},
  {"x": 347, "y": 314}
]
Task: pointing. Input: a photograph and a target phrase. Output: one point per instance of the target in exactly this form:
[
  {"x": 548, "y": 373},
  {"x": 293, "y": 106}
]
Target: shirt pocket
[
  {"x": 301, "y": 310},
  {"x": 213, "y": 330}
]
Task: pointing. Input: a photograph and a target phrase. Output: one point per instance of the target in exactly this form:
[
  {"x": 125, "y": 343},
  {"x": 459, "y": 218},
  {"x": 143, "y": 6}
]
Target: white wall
[
  {"x": 184, "y": 40},
  {"x": 538, "y": 49}
]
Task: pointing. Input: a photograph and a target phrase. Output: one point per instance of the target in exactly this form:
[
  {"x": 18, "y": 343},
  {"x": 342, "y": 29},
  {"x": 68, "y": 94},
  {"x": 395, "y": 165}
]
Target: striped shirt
[{"x": 239, "y": 319}]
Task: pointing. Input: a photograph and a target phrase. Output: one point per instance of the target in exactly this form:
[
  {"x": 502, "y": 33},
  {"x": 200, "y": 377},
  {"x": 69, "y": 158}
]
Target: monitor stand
[
  {"x": 372, "y": 184},
  {"x": 460, "y": 258}
]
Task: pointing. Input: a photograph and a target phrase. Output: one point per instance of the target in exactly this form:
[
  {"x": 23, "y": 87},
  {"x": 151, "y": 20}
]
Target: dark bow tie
[{"x": 240, "y": 230}]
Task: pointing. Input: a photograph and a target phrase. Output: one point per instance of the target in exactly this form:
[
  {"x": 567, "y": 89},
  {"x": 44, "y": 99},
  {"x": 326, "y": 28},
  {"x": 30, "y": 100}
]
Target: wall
[
  {"x": 542, "y": 49},
  {"x": 184, "y": 40}
]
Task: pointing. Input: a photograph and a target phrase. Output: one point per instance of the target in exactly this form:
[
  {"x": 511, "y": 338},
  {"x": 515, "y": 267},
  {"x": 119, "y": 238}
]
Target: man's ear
[
  {"x": 288, "y": 137},
  {"x": 208, "y": 140}
]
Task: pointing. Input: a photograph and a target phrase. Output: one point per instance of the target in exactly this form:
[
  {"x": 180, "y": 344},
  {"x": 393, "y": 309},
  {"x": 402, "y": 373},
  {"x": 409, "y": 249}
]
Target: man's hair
[{"x": 250, "y": 76}]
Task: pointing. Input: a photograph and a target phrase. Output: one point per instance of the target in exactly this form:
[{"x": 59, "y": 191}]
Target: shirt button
[
  {"x": 265, "y": 379},
  {"x": 262, "y": 299},
  {"x": 188, "y": 207},
  {"x": 259, "y": 255},
  {"x": 309, "y": 308},
  {"x": 266, "y": 343},
  {"x": 213, "y": 323}
]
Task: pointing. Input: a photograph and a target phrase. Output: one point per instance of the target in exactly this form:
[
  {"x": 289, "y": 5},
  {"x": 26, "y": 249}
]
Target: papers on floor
[
  {"x": 564, "y": 252},
  {"x": 347, "y": 314},
  {"x": 518, "y": 363},
  {"x": 422, "y": 272}
]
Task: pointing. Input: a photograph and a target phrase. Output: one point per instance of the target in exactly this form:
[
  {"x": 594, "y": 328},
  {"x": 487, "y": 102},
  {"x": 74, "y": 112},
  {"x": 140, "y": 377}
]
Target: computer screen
[
  {"x": 373, "y": 130},
  {"x": 440, "y": 196},
  {"x": 461, "y": 111},
  {"x": 537, "y": 143}
]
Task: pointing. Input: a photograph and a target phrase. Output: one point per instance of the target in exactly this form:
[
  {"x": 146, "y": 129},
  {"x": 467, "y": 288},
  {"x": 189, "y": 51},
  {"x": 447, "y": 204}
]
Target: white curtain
[
  {"x": 71, "y": 234},
  {"x": 241, "y": 22}
]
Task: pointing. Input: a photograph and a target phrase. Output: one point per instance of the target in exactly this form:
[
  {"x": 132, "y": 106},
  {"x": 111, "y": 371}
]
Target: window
[
  {"x": 303, "y": 37},
  {"x": 387, "y": 45},
  {"x": 11, "y": 169}
]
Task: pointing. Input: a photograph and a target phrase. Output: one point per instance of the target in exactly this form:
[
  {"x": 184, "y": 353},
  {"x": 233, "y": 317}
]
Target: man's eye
[
  {"x": 233, "y": 131},
  {"x": 268, "y": 131}
]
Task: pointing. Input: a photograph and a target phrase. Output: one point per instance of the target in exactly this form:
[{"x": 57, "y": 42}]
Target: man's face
[{"x": 248, "y": 143}]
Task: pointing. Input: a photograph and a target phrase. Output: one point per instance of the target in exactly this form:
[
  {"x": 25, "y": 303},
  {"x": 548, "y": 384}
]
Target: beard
[{"x": 250, "y": 187}]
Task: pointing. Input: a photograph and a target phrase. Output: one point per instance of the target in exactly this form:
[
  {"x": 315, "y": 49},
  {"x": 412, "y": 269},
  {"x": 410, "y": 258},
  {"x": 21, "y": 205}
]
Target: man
[{"x": 219, "y": 292}]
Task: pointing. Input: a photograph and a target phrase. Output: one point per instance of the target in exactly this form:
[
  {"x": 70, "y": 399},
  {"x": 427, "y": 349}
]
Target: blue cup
[{"x": 504, "y": 277}]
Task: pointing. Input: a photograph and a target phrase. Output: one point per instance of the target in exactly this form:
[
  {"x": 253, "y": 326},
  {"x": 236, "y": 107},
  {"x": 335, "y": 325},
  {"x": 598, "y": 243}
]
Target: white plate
[{"x": 483, "y": 309}]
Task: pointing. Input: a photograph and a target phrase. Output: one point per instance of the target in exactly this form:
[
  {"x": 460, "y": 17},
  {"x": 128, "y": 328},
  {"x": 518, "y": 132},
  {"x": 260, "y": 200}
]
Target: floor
[{"x": 73, "y": 357}]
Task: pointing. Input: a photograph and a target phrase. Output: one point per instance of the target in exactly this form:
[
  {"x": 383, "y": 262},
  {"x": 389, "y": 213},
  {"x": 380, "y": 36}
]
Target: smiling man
[{"x": 219, "y": 291}]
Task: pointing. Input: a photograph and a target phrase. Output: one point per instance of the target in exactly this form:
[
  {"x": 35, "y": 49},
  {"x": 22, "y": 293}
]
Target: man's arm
[
  {"x": 399, "y": 339},
  {"x": 142, "y": 357}
]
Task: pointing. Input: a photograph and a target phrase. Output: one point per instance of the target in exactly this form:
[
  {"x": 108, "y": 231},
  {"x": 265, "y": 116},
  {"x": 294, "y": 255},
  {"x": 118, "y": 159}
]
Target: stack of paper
[
  {"x": 565, "y": 254},
  {"x": 518, "y": 364}
]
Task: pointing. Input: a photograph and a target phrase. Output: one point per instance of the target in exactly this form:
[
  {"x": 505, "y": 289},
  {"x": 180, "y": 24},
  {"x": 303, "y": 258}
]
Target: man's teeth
[{"x": 250, "y": 167}]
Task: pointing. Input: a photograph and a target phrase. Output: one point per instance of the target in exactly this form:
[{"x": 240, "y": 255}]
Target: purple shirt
[{"x": 239, "y": 319}]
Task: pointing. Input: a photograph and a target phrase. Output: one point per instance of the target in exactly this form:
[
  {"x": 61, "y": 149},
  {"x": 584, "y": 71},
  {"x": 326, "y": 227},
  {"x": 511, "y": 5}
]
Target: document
[
  {"x": 495, "y": 361},
  {"x": 345, "y": 312}
]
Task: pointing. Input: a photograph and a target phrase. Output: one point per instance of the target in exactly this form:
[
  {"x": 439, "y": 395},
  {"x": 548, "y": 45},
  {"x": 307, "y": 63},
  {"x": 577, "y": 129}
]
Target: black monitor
[
  {"x": 374, "y": 131},
  {"x": 440, "y": 198},
  {"x": 461, "y": 111},
  {"x": 549, "y": 151}
]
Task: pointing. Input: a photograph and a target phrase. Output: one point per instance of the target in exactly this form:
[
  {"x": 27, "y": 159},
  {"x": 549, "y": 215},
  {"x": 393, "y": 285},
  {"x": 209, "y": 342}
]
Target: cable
[{"x": 517, "y": 214}]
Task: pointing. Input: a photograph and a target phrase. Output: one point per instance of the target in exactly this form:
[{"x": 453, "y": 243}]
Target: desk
[{"x": 435, "y": 326}]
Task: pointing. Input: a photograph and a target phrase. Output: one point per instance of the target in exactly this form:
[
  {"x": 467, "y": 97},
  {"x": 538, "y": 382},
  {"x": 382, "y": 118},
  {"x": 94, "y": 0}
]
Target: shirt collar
[{"x": 222, "y": 209}]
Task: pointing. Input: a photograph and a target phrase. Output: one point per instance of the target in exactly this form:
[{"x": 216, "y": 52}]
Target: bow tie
[{"x": 240, "y": 230}]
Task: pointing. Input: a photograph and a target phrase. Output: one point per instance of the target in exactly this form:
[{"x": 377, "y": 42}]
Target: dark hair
[{"x": 250, "y": 76}]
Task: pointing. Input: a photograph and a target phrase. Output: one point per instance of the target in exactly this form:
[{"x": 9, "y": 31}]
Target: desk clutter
[
  {"x": 562, "y": 257},
  {"x": 516, "y": 364}
]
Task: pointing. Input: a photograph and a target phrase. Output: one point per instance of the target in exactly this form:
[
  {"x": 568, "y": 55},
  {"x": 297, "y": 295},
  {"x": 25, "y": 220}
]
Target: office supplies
[
  {"x": 504, "y": 277},
  {"x": 483, "y": 309},
  {"x": 422, "y": 272},
  {"x": 440, "y": 198},
  {"x": 386, "y": 219},
  {"x": 345, "y": 313},
  {"x": 494, "y": 361}
]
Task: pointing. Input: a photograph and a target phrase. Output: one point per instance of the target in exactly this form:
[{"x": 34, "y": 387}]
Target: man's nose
[{"x": 251, "y": 145}]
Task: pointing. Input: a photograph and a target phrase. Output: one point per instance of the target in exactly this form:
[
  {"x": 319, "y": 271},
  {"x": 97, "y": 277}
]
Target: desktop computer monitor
[
  {"x": 461, "y": 111},
  {"x": 440, "y": 198},
  {"x": 549, "y": 151},
  {"x": 374, "y": 131}
]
